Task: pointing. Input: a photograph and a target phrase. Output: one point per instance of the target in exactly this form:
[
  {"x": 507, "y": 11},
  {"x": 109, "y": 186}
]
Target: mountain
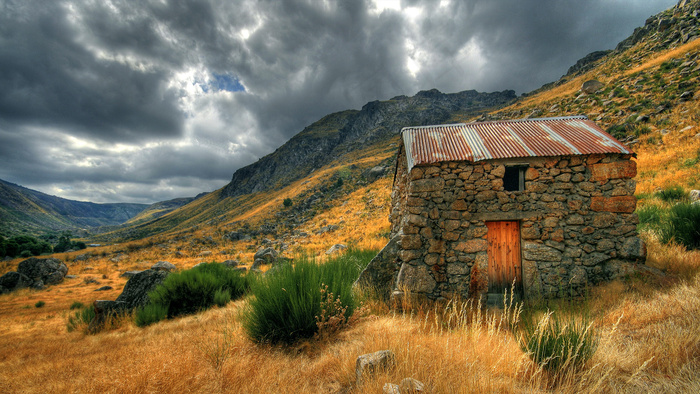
[
  {"x": 26, "y": 210},
  {"x": 343, "y": 133}
]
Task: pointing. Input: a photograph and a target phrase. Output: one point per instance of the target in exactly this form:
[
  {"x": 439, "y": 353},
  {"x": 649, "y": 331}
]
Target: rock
[
  {"x": 135, "y": 293},
  {"x": 264, "y": 256},
  {"x": 694, "y": 195},
  {"x": 642, "y": 119},
  {"x": 205, "y": 253},
  {"x": 231, "y": 263},
  {"x": 410, "y": 385},
  {"x": 686, "y": 96},
  {"x": 240, "y": 269},
  {"x": 375, "y": 172},
  {"x": 47, "y": 271},
  {"x": 391, "y": 388},
  {"x": 70, "y": 277},
  {"x": 327, "y": 229},
  {"x": 104, "y": 288},
  {"x": 592, "y": 86},
  {"x": 372, "y": 363},
  {"x": 163, "y": 265},
  {"x": 130, "y": 274},
  {"x": 336, "y": 248},
  {"x": 12, "y": 281},
  {"x": 82, "y": 257},
  {"x": 539, "y": 252},
  {"x": 91, "y": 281},
  {"x": 415, "y": 279}
]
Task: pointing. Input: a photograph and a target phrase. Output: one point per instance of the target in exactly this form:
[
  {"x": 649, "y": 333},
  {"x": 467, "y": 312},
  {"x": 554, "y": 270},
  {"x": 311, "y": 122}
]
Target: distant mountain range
[{"x": 24, "y": 210}]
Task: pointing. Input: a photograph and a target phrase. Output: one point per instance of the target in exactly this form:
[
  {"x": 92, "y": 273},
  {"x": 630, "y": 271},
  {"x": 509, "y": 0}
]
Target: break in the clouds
[{"x": 123, "y": 101}]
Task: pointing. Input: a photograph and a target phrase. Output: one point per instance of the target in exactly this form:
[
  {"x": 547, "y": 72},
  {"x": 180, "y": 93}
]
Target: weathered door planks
[{"x": 504, "y": 256}]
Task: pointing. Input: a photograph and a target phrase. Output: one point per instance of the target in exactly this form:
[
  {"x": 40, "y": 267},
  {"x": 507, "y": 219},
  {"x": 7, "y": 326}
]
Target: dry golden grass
[{"x": 650, "y": 341}]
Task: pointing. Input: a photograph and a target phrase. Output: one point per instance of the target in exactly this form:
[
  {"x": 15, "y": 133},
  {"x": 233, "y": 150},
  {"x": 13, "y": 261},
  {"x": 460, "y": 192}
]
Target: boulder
[
  {"x": 264, "y": 256},
  {"x": 591, "y": 86},
  {"x": 694, "y": 195},
  {"x": 164, "y": 266},
  {"x": 135, "y": 293},
  {"x": 373, "y": 362},
  {"x": 336, "y": 248},
  {"x": 130, "y": 274},
  {"x": 231, "y": 263},
  {"x": 12, "y": 281},
  {"x": 376, "y": 172},
  {"x": 43, "y": 271}
]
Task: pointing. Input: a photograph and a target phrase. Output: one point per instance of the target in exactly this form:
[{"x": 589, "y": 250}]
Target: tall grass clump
[
  {"x": 557, "y": 345},
  {"x": 672, "y": 194},
  {"x": 80, "y": 319},
  {"x": 298, "y": 299},
  {"x": 191, "y": 291},
  {"x": 683, "y": 225}
]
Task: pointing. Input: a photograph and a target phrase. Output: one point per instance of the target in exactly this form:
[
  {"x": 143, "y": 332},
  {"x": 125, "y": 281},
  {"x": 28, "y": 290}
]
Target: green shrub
[
  {"x": 81, "y": 318},
  {"x": 77, "y": 305},
  {"x": 287, "y": 202},
  {"x": 556, "y": 345},
  {"x": 683, "y": 225},
  {"x": 651, "y": 216},
  {"x": 39, "y": 304},
  {"x": 151, "y": 313},
  {"x": 222, "y": 297},
  {"x": 671, "y": 194},
  {"x": 193, "y": 290},
  {"x": 289, "y": 304}
]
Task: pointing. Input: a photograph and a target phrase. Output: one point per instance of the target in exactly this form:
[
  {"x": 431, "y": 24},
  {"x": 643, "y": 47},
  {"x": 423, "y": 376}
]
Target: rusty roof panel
[{"x": 575, "y": 135}]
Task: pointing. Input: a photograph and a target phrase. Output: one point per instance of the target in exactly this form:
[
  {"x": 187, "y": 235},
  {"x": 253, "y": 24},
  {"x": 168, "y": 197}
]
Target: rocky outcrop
[
  {"x": 677, "y": 25},
  {"x": 135, "y": 293},
  {"x": 339, "y": 133}
]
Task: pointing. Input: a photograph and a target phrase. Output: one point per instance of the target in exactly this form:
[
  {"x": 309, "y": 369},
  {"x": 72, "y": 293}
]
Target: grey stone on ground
[
  {"x": 264, "y": 256},
  {"x": 381, "y": 272},
  {"x": 104, "y": 288},
  {"x": 70, "y": 277},
  {"x": 410, "y": 385},
  {"x": 163, "y": 265},
  {"x": 43, "y": 271},
  {"x": 373, "y": 362},
  {"x": 135, "y": 293},
  {"x": 336, "y": 248},
  {"x": 695, "y": 195},
  {"x": 231, "y": 263},
  {"x": 592, "y": 86},
  {"x": 391, "y": 388}
]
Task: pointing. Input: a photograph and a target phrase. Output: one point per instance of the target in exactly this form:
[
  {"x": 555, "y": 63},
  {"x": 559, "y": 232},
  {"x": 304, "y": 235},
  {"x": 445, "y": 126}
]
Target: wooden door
[{"x": 504, "y": 256}]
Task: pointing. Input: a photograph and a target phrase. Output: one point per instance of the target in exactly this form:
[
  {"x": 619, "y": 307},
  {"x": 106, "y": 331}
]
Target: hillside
[{"x": 26, "y": 210}]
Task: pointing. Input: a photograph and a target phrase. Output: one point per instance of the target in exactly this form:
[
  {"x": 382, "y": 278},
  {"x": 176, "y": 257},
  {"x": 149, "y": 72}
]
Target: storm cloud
[{"x": 122, "y": 101}]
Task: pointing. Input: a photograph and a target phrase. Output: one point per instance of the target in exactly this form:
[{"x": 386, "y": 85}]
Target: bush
[
  {"x": 295, "y": 301},
  {"x": 287, "y": 202},
  {"x": 671, "y": 194},
  {"x": 555, "y": 345},
  {"x": 39, "y": 304},
  {"x": 193, "y": 290},
  {"x": 81, "y": 318},
  {"x": 151, "y": 313},
  {"x": 683, "y": 225},
  {"x": 77, "y": 305}
]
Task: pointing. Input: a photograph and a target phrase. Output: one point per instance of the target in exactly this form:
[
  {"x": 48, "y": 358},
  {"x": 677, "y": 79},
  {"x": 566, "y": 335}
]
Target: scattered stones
[
  {"x": 90, "y": 281},
  {"x": 371, "y": 363}
]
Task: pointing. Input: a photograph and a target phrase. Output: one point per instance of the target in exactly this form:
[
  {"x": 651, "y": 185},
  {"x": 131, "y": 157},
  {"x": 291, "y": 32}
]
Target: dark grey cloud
[{"x": 143, "y": 101}]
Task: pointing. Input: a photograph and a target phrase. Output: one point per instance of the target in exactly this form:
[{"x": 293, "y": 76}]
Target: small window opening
[{"x": 514, "y": 179}]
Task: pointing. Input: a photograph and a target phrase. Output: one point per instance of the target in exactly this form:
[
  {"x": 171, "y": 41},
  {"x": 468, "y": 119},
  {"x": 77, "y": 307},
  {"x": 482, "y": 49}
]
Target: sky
[{"x": 144, "y": 101}]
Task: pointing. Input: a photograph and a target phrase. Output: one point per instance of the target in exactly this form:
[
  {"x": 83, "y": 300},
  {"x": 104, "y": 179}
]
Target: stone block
[
  {"x": 531, "y": 174},
  {"x": 411, "y": 242},
  {"x": 539, "y": 252},
  {"x": 460, "y": 205},
  {"x": 615, "y": 170},
  {"x": 427, "y": 185},
  {"x": 472, "y": 246},
  {"x": 622, "y": 204}
]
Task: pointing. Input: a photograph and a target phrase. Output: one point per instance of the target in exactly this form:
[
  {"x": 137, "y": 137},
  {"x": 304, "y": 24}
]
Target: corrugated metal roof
[{"x": 566, "y": 136}]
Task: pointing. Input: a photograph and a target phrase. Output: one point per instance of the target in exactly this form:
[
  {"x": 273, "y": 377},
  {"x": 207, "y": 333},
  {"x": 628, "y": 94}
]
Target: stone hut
[{"x": 544, "y": 205}]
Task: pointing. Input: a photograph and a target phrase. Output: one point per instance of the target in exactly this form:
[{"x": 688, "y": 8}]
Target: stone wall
[{"x": 575, "y": 213}]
